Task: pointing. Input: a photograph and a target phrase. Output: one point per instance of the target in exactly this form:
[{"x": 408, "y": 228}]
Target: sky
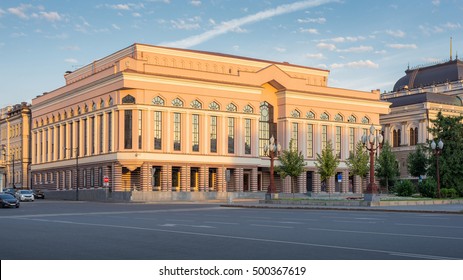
[{"x": 365, "y": 44}]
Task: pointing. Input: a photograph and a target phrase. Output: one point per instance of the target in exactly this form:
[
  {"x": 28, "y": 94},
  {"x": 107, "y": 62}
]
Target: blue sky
[{"x": 365, "y": 44}]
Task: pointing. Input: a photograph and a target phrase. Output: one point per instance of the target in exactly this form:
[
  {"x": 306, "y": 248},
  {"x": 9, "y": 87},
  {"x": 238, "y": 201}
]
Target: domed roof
[{"x": 431, "y": 75}]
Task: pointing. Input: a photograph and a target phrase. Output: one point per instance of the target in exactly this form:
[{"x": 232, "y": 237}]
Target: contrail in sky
[{"x": 233, "y": 24}]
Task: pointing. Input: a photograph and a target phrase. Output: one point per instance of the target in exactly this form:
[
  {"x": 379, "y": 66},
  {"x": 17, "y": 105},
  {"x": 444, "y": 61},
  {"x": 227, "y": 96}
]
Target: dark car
[
  {"x": 7, "y": 200},
  {"x": 10, "y": 191},
  {"x": 38, "y": 194}
]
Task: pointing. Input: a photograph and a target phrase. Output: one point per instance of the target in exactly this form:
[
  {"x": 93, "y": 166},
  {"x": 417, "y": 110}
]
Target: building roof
[
  {"x": 411, "y": 99},
  {"x": 449, "y": 71}
]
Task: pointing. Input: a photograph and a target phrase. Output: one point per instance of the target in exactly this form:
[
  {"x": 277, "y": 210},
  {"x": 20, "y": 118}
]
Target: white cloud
[
  {"x": 315, "y": 56},
  {"x": 436, "y": 2},
  {"x": 355, "y": 64},
  {"x": 120, "y": 7},
  {"x": 116, "y": 27},
  {"x": 231, "y": 25},
  {"x": 344, "y": 39},
  {"x": 2, "y": 12},
  {"x": 319, "y": 20},
  {"x": 20, "y": 11},
  {"x": 451, "y": 26},
  {"x": 195, "y": 3},
  {"x": 396, "y": 33},
  {"x": 278, "y": 49},
  {"x": 189, "y": 24},
  {"x": 359, "y": 49},
  {"x": 325, "y": 46},
  {"x": 402, "y": 46},
  {"x": 50, "y": 16},
  {"x": 71, "y": 60},
  {"x": 310, "y": 31}
]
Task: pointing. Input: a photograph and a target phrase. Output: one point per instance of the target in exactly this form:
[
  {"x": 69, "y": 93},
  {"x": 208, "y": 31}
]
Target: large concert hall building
[{"x": 163, "y": 120}]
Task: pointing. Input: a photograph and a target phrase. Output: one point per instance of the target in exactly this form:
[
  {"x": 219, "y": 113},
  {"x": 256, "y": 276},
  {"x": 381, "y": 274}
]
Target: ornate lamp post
[
  {"x": 375, "y": 142},
  {"x": 272, "y": 150},
  {"x": 437, "y": 148}
]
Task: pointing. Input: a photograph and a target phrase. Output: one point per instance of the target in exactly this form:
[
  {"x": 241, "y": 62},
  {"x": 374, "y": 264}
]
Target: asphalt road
[{"x": 60, "y": 230}]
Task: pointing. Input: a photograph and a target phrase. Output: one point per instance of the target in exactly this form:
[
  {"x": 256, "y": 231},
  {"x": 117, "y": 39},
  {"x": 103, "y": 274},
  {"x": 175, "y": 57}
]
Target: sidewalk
[{"x": 437, "y": 208}]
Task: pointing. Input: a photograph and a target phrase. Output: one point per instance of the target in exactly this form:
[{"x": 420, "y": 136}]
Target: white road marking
[
  {"x": 220, "y": 223},
  {"x": 384, "y": 233},
  {"x": 248, "y": 239},
  {"x": 257, "y": 225},
  {"x": 181, "y": 225},
  {"x": 422, "y": 225}
]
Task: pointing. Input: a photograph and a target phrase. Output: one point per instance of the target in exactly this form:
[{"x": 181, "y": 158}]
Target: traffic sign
[{"x": 106, "y": 179}]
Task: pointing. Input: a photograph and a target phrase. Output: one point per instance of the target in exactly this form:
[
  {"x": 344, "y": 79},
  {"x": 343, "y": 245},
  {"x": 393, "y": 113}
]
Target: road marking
[
  {"x": 354, "y": 222},
  {"x": 383, "y": 233},
  {"x": 193, "y": 226},
  {"x": 248, "y": 239},
  {"x": 421, "y": 225},
  {"x": 221, "y": 223},
  {"x": 257, "y": 225}
]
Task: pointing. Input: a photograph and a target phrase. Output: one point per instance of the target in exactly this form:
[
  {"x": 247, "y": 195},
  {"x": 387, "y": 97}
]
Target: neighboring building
[
  {"x": 15, "y": 146},
  {"x": 161, "y": 119},
  {"x": 416, "y": 99}
]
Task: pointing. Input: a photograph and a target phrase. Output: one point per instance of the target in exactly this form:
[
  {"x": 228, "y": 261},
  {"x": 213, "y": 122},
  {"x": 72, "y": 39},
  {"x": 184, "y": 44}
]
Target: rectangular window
[
  {"x": 351, "y": 140},
  {"x": 92, "y": 134},
  {"x": 264, "y": 136},
  {"x": 338, "y": 141},
  {"x": 195, "y": 146},
  {"x": 231, "y": 135},
  {"x": 247, "y": 136},
  {"x": 295, "y": 135},
  {"x": 213, "y": 147},
  {"x": 310, "y": 140},
  {"x": 64, "y": 141},
  {"x": 177, "y": 131},
  {"x": 324, "y": 136},
  {"x": 157, "y": 130},
  {"x": 46, "y": 146},
  {"x": 128, "y": 129},
  {"x": 110, "y": 132},
  {"x": 140, "y": 128},
  {"x": 58, "y": 143},
  {"x": 100, "y": 121}
]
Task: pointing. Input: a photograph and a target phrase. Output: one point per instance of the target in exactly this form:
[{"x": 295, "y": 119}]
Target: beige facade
[
  {"x": 15, "y": 146},
  {"x": 416, "y": 102},
  {"x": 160, "y": 119}
]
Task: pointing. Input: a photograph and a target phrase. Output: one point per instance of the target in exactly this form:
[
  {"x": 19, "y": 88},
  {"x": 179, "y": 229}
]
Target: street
[{"x": 69, "y": 230}]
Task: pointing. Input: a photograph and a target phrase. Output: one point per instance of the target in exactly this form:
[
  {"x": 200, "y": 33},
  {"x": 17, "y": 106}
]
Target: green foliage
[
  {"x": 358, "y": 162},
  {"x": 417, "y": 162},
  {"x": 291, "y": 164},
  {"x": 386, "y": 167},
  {"x": 448, "y": 193},
  {"x": 450, "y": 131},
  {"x": 405, "y": 188},
  {"x": 428, "y": 188},
  {"x": 327, "y": 162}
]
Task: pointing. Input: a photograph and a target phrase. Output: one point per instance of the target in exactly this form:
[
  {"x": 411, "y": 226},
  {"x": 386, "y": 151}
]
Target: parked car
[
  {"x": 38, "y": 194},
  {"x": 23, "y": 195},
  {"x": 7, "y": 200},
  {"x": 10, "y": 191}
]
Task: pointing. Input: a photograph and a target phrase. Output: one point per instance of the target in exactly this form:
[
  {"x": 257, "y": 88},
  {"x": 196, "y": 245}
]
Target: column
[
  {"x": 117, "y": 177},
  {"x": 203, "y": 170},
  {"x": 145, "y": 175},
  {"x": 316, "y": 183},
  {"x": 221, "y": 184},
  {"x": 331, "y": 184},
  {"x": 301, "y": 183},
  {"x": 183, "y": 178},
  {"x": 345, "y": 181}
]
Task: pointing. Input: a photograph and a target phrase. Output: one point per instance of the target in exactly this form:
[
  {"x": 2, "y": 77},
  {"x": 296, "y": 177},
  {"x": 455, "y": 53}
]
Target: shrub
[
  {"x": 428, "y": 188},
  {"x": 405, "y": 188},
  {"x": 448, "y": 193}
]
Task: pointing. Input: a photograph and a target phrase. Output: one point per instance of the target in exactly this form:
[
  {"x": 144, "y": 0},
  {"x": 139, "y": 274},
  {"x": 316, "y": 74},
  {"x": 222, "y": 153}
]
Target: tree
[
  {"x": 417, "y": 161},
  {"x": 450, "y": 131},
  {"x": 327, "y": 162},
  {"x": 358, "y": 162},
  {"x": 291, "y": 164},
  {"x": 387, "y": 169}
]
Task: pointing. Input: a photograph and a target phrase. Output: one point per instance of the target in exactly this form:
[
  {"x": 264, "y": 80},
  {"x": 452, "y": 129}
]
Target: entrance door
[
  {"x": 309, "y": 178},
  {"x": 246, "y": 182}
]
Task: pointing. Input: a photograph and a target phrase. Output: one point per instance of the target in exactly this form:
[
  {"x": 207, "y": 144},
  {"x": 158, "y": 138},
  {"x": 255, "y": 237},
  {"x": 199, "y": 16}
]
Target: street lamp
[
  {"x": 272, "y": 150},
  {"x": 376, "y": 142},
  {"x": 437, "y": 148}
]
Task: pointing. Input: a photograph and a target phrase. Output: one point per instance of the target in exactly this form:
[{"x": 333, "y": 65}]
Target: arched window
[
  {"x": 396, "y": 138},
  {"x": 413, "y": 136},
  {"x": 158, "y": 101},
  {"x": 267, "y": 127},
  {"x": 310, "y": 115},
  {"x": 177, "y": 102},
  {"x": 324, "y": 116},
  {"x": 338, "y": 118},
  {"x": 196, "y": 104},
  {"x": 232, "y": 107},
  {"x": 295, "y": 114},
  {"x": 352, "y": 119},
  {"x": 128, "y": 99},
  {"x": 214, "y": 106},
  {"x": 365, "y": 120},
  {"x": 248, "y": 109}
]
